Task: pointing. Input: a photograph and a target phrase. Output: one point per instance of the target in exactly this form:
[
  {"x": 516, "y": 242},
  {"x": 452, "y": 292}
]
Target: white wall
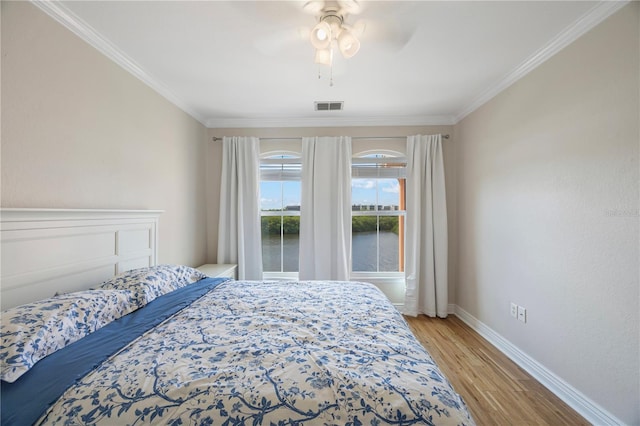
[
  {"x": 548, "y": 214},
  {"x": 80, "y": 132}
]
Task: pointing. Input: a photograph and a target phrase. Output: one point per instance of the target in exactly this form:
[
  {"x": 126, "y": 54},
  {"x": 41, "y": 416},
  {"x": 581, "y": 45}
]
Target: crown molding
[
  {"x": 435, "y": 120},
  {"x": 593, "y": 17},
  {"x": 86, "y": 32},
  {"x": 73, "y": 23}
]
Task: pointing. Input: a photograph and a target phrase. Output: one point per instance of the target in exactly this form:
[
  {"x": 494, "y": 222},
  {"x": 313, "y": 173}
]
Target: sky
[{"x": 275, "y": 195}]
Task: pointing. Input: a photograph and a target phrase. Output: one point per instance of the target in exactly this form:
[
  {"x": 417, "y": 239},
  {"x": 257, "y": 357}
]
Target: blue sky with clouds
[{"x": 275, "y": 195}]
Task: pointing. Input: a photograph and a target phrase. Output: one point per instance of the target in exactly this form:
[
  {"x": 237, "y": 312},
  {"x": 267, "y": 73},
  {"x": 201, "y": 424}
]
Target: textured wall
[
  {"x": 548, "y": 214},
  {"x": 80, "y": 132}
]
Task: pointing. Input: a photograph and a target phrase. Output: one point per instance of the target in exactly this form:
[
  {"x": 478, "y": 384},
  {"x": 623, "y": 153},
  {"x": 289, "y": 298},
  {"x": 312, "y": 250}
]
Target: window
[
  {"x": 280, "y": 213},
  {"x": 378, "y": 208}
]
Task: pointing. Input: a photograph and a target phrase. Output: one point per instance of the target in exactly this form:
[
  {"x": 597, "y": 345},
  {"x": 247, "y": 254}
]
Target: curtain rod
[{"x": 215, "y": 138}]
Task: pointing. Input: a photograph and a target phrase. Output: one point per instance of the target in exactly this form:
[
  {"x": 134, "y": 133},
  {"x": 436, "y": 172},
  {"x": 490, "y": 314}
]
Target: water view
[
  {"x": 363, "y": 252},
  {"x": 377, "y": 205}
]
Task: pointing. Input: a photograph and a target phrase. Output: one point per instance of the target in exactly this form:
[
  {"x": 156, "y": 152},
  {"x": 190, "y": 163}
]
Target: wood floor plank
[{"x": 495, "y": 389}]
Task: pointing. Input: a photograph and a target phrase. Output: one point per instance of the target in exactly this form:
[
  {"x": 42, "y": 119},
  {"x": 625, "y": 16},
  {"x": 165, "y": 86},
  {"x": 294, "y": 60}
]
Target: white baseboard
[
  {"x": 399, "y": 306},
  {"x": 451, "y": 308},
  {"x": 590, "y": 410}
]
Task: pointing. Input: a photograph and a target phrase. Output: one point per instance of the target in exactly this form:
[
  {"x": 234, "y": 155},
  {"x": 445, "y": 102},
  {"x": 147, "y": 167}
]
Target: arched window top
[
  {"x": 379, "y": 153},
  {"x": 280, "y": 166},
  {"x": 379, "y": 164},
  {"x": 279, "y": 155}
]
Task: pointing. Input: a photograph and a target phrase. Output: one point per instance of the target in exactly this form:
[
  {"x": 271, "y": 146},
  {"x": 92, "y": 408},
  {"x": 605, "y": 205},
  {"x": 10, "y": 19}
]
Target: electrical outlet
[
  {"x": 514, "y": 310},
  {"x": 522, "y": 314}
]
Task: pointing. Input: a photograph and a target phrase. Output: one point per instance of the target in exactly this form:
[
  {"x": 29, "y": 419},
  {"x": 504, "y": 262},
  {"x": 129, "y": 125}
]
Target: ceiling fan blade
[
  {"x": 272, "y": 11},
  {"x": 313, "y": 7},
  {"x": 280, "y": 40},
  {"x": 385, "y": 33},
  {"x": 350, "y": 7}
]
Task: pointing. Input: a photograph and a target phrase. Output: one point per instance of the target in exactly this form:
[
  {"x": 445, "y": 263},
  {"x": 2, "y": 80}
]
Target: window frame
[
  {"x": 266, "y": 158},
  {"x": 363, "y": 172},
  {"x": 380, "y": 278}
]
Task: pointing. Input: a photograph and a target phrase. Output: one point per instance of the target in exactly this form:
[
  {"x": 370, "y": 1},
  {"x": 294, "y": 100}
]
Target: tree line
[{"x": 291, "y": 224}]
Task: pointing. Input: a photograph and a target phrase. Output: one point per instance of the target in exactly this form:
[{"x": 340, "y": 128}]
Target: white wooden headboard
[{"x": 48, "y": 251}]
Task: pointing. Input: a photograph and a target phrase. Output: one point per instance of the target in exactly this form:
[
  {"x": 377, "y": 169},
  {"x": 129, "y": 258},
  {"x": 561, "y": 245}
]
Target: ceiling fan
[
  {"x": 337, "y": 30},
  {"x": 332, "y": 29}
]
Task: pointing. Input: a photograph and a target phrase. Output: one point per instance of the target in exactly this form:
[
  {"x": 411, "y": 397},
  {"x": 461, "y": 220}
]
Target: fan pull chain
[{"x": 331, "y": 75}]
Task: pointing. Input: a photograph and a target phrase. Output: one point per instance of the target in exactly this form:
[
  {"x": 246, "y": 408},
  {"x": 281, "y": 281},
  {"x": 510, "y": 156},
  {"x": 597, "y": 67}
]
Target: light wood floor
[{"x": 495, "y": 389}]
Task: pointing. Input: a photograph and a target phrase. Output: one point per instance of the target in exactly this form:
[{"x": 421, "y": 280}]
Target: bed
[{"x": 164, "y": 344}]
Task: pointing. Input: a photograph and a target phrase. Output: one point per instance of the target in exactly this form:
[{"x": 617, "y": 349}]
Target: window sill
[{"x": 280, "y": 276}]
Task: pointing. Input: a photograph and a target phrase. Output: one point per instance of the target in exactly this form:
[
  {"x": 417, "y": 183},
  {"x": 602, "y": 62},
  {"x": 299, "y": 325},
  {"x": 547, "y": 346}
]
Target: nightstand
[{"x": 218, "y": 270}]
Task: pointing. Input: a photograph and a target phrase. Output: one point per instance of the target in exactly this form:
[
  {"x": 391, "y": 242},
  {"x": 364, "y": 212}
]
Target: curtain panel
[
  {"x": 325, "y": 210},
  {"x": 426, "y": 228},
  {"x": 239, "y": 236}
]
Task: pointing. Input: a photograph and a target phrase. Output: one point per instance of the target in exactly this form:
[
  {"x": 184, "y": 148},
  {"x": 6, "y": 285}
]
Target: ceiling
[{"x": 250, "y": 64}]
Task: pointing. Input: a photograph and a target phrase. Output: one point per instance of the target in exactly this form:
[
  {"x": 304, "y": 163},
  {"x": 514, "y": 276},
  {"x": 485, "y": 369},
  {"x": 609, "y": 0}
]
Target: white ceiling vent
[{"x": 329, "y": 105}]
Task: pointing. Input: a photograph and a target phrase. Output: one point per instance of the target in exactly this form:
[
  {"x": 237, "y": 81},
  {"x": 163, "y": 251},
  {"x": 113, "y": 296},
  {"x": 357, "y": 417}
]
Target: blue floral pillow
[
  {"x": 31, "y": 332},
  {"x": 149, "y": 283}
]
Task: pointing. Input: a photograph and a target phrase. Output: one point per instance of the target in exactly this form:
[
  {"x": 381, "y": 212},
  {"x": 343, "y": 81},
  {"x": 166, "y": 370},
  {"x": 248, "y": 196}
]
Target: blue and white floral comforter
[{"x": 282, "y": 353}]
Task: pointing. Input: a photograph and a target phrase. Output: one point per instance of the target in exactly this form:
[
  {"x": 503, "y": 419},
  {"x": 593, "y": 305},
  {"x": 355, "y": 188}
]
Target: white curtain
[
  {"x": 239, "y": 238},
  {"x": 325, "y": 210},
  {"x": 426, "y": 228}
]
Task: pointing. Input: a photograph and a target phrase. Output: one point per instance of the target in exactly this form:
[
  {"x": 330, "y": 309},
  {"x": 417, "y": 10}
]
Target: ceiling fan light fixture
[
  {"x": 348, "y": 43},
  {"x": 335, "y": 23},
  {"x": 324, "y": 57},
  {"x": 321, "y": 35},
  {"x": 331, "y": 32}
]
